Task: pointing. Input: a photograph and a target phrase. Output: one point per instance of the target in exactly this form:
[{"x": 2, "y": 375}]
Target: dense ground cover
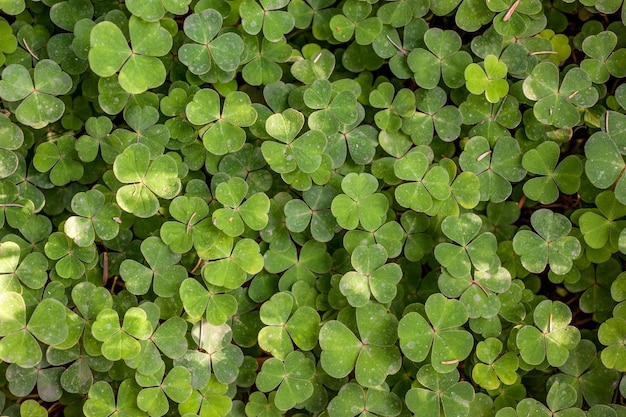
[{"x": 309, "y": 207}]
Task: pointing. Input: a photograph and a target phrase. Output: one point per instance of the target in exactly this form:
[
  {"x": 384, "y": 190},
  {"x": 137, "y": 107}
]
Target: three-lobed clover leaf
[
  {"x": 164, "y": 275},
  {"x": 303, "y": 265},
  {"x": 473, "y": 250},
  {"x": 372, "y": 276},
  {"x": 303, "y": 153},
  {"x": 312, "y": 212},
  {"x": 102, "y": 402},
  {"x": 551, "y": 245},
  {"x": 98, "y": 140},
  {"x": 287, "y": 324},
  {"x": 360, "y": 204},
  {"x": 224, "y": 133},
  {"x": 495, "y": 367},
  {"x": 442, "y": 59},
  {"x": 39, "y": 105},
  {"x": 292, "y": 376},
  {"x": 266, "y": 17},
  {"x": 231, "y": 268},
  {"x": 356, "y": 21},
  {"x": 333, "y": 108},
  {"x": 557, "y": 102},
  {"x": 193, "y": 226},
  {"x": 217, "y": 353},
  {"x": 432, "y": 116},
  {"x": 440, "y": 393},
  {"x": 121, "y": 341},
  {"x": 551, "y": 338},
  {"x": 71, "y": 259},
  {"x": 496, "y": 168},
  {"x": 373, "y": 357},
  {"x": 236, "y": 213},
  {"x": 224, "y": 50},
  {"x": 423, "y": 186},
  {"x": 602, "y": 227},
  {"x": 19, "y": 342},
  {"x": 159, "y": 387},
  {"x": 139, "y": 68},
  {"x": 543, "y": 161},
  {"x": 353, "y": 399},
  {"x": 31, "y": 271},
  {"x": 513, "y": 17},
  {"x": 95, "y": 217},
  {"x": 490, "y": 80},
  {"x": 146, "y": 180},
  {"x": 441, "y": 335},
  {"x": 60, "y": 159}
]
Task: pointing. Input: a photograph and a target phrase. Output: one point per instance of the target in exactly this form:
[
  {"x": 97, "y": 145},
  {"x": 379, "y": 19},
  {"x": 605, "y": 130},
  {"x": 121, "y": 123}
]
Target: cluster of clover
[{"x": 257, "y": 208}]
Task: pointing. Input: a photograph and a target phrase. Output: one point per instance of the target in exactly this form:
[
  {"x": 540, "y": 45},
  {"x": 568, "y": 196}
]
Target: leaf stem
[
  {"x": 29, "y": 50},
  {"x": 508, "y": 14}
]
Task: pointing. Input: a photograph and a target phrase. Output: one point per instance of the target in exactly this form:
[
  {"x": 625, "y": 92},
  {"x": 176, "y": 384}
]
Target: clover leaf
[
  {"x": 372, "y": 276},
  {"x": 556, "y": 104},
  {"x": 441, "y": 335},
  {"x": 31, "y": 271},
  {"x": 217, "y": 351},
  {"x": 231, "y": 268},
  {"x": 225, "y": 50},
  {"x": 292, "y": 377},
  {"x": 476, "y": 252},
  {"x": 373, "y": 357},
  {"x": 442, "y": 59},
  {"x": 153, "y": 398},
  {"x": 423, "y": 186},
  {"x": 164, "y": 274},
  {"x": 101, "y": 399},
  {"x": 312, "y": 259},
  {"x": 495, "y": 368},
  {"x": 490, "y": 80},
  {"x": 600, "y": 228},
  {"x": 121, "y": 341},
  {"x": 513, "y": 18},
  {"x": 197, "y": 301},
  {"x": 440, "y": 392},
  {"x": 192, "y": 228},
  {"x": 496, "y": 168},
  {"x": 226, "y": 134},
  {"x": 333, "y": 109},
  {"x": 610, "y": 334},
  {"x": 551, "y": 337},
  {"x": 433, "y": 115},
  {"x": 262, "y": 67},
  {"x": 236, "y": 213},
  {"x": 71, "y": 259},
  {"x": 355, "y": 21},
  {"x": 47, "y": 324},
  {"x": 39, "y": 105},
  {"x": 154, "y": 10},
  {"x": 313, "y": 210},
  {"x": 139, "y": 67},
  {"x": 359, "y": 204},
  {"x": 266, "y": 17},
  {"x": 543, "y": 161},
  {"x": 95, "y": 218},
  {"x": 286, "y": 323},
  {"x": 550, "y": 246},
  {"x": 490, "y": 120},
  {"x": 146, "y": 180},
  {"x": 353, "y": 399}
]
